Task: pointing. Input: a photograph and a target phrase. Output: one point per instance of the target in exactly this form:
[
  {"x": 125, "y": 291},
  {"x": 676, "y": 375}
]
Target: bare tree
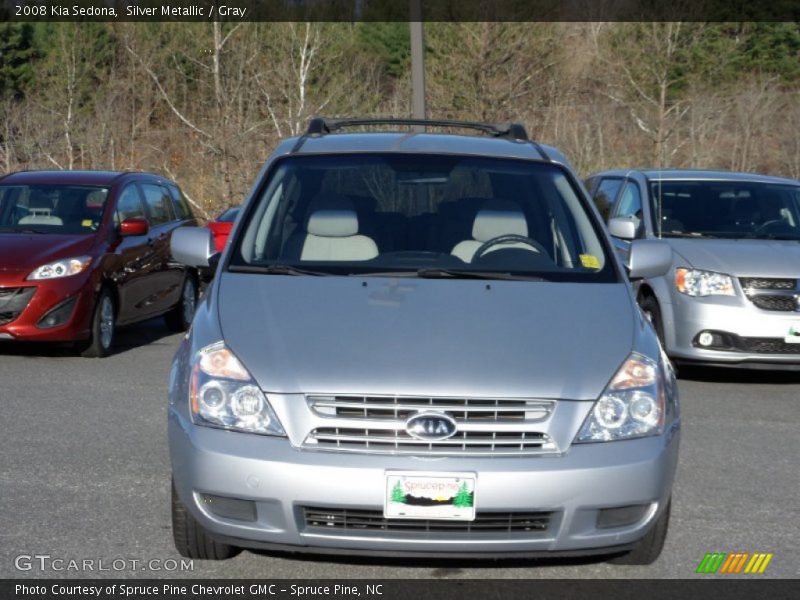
[
  {"x": 642, "y": 74},
  {"x": 490, "y": 70},
  {"x": 753, "y": 109}
]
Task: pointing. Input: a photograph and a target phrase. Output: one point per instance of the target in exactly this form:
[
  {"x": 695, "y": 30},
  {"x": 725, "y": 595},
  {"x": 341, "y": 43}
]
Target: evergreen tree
[
  {"x": 390, "y": 43},
  {"x": 463, "y": 498},
  {"x": 16, "y": 54},
  {"x": 397, "y": 493}
]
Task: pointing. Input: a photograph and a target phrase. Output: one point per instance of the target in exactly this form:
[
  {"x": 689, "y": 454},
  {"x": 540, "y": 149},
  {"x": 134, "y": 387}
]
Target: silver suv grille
[
  {"x": 399, "y": 442},
  {"x": 377, "y": 424},
  {"x": 774, "y": 294},
  {"x": 463, "y": 410}
]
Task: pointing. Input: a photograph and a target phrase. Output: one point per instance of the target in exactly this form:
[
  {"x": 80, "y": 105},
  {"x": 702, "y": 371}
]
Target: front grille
[
  {"x": 352, "y": 520},
  {"x": 13, "y": 301},
  {"x": 767, "y": 346},
  {"x": 764, "y": 283},
  {"x": 783, "y": 303},
  {"x": 771, "y": 293},
  {"x": 377, "y": 424},
  {"x": 398, "y": 441},
  {"x": 463, "y": 410}
]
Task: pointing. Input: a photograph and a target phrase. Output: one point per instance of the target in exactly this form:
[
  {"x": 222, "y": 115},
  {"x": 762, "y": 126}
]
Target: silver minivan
[
  {"x": 732, "y": 294},
  {"x": 421, "y": 344}
]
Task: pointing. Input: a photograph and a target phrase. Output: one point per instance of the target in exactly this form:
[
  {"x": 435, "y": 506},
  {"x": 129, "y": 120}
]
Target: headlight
[
  {"x": 631, "y": 406},
  {"x": 61, "y": 268},
  {"x": 703, "y": 283},
  {"x": 224, "y": 394}
]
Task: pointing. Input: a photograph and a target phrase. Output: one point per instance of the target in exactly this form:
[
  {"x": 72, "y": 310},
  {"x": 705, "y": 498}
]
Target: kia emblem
[{"x": 431, "y": 426}]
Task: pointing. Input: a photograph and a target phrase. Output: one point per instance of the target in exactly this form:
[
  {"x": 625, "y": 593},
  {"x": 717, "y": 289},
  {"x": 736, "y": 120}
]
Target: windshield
[
  {"x": 730, "y": 209},
  {"x": 61, "y": 209},
  {"x": 421, "y": 215}
]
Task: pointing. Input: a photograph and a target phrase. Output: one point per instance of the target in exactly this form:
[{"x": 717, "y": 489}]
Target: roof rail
[{"x": 511, "y": 131}]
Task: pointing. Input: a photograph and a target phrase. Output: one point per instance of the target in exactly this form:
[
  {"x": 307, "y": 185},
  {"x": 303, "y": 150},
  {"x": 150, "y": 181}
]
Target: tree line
[{"x": 205, "y": 103}]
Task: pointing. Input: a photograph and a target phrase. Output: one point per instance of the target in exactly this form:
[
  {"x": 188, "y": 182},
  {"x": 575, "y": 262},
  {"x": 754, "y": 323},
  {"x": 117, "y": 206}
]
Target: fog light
[
  {"x": 58, "y": 315},
  {"x": 620, "y": 516},
  {"x": 229, "y": 508},
  {"x": 705, "y": 339}
]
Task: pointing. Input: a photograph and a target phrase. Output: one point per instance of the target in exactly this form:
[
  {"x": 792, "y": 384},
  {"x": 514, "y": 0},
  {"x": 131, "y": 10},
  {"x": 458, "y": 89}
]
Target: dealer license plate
[{"x": 435, "y": 496}]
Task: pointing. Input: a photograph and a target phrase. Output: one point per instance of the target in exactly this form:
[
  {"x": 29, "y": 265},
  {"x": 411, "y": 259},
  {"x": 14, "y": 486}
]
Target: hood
[
  {"x": 742, "y": 258},
  {"x": 422, "y": 337},
  {"x": 25, "y": 252}
]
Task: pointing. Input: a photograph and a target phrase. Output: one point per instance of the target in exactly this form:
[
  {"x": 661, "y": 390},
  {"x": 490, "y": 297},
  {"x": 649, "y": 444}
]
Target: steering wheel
[
  {"x": 773, "y": 226},
  {"x": 508, "y": 238}
]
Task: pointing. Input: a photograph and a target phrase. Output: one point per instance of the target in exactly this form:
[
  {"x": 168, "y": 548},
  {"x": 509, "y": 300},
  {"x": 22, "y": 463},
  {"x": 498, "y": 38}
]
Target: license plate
[
  {"x": 434, "y": 496},
  {"x": 793, "y": 337}
]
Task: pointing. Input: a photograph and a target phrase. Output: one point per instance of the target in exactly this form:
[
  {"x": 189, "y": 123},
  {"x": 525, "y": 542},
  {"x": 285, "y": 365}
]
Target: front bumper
[
  {"x": 282, "y": 480},
  {"x": 748, "y": 328},
  {"x": 46, "y": 296}
]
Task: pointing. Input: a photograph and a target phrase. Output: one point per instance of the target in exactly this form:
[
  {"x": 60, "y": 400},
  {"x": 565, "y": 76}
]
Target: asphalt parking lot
[{"x": 84, "y": 474}]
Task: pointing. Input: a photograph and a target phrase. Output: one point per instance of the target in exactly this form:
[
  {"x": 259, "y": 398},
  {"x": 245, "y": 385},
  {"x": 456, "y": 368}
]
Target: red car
[
  {"x": 222, "y": 225},
  {"x": 82, "y": 252}
]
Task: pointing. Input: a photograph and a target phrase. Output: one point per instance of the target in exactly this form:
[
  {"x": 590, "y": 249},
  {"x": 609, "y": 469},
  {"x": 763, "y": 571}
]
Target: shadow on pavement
[
  {"x": 443, "y": 567},
  {"x": 127, "y": 338},
  {"x": 734, "y": 375}
]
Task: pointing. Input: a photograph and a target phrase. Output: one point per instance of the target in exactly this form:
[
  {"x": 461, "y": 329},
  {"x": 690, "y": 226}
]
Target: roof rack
[{"x": 511, "y": 131}]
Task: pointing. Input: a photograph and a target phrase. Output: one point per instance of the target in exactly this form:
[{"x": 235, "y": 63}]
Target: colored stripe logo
[{"x": 734, "y": 563}]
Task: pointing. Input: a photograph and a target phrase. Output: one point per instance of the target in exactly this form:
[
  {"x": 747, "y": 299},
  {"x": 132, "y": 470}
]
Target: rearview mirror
[
  {"x": 649, "y": 258},
  {"x": 623, "y": 228},
  {"x": 134, "y": 226},
  {"x": 192, "y": 246}
]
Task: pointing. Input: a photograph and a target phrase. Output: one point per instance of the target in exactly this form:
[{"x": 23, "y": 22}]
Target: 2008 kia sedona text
[{"x": 421, "y": 344}]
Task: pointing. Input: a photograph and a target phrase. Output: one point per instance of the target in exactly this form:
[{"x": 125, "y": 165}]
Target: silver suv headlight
[
  {"x": 223, "y": 394},
  {"x": 631, "y": 406},
  {"x": 694, "y": 282}
]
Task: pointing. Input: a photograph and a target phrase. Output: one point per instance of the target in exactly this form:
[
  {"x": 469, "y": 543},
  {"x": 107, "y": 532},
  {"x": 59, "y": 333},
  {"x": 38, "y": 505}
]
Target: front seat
[
  {"x": 332, "y": 234},
  {"x": 40, "y": 211},
  {"x": 496, "y": 218},
  {"x": 71, "y": 208}
]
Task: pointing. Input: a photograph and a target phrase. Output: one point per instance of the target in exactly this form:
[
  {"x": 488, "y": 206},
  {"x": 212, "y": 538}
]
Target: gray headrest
[
  {"x": 333, "y": 223},
  {"x": 498, "y": 218}
]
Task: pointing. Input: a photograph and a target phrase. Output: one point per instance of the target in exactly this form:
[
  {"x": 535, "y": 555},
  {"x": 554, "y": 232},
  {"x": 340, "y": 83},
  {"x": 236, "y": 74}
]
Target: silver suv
[
  {"x": 732, "y": 294},
  {"x": 421, "y": 344}
]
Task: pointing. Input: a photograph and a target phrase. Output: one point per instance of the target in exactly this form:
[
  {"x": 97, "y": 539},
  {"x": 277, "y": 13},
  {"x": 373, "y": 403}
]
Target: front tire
[
  {"x": 191, "y": 540},
  {"x": 649, "y": 548},
  {"x": 652, "y": 311},
  {"x": 180, "y": 318},
  {"x": 103, "y": 327}
]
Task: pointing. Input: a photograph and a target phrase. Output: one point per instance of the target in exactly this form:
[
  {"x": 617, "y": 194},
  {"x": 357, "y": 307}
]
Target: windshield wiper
[
  {"x": 442, "y": 273},
  {"x": 439, "y": 273},
  {"x": 685, "y": 234},
  {"x": 22, "y": 230},
  {"x": 274, "y": 270},
  {"x": 774, "y": 236}
]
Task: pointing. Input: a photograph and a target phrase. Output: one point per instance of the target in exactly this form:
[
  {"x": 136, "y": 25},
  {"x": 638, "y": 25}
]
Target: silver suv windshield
[
  {"x": 421, "y": 215},
  {"x": 729, "y": 209}
]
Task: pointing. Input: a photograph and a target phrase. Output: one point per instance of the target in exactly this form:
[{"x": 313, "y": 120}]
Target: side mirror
[
  {"x": 623, "y": 228},
  {"x": 134, "y": 226},
  {"x": 649, "y": 258},
  {"x": 192, "y": 246}
]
